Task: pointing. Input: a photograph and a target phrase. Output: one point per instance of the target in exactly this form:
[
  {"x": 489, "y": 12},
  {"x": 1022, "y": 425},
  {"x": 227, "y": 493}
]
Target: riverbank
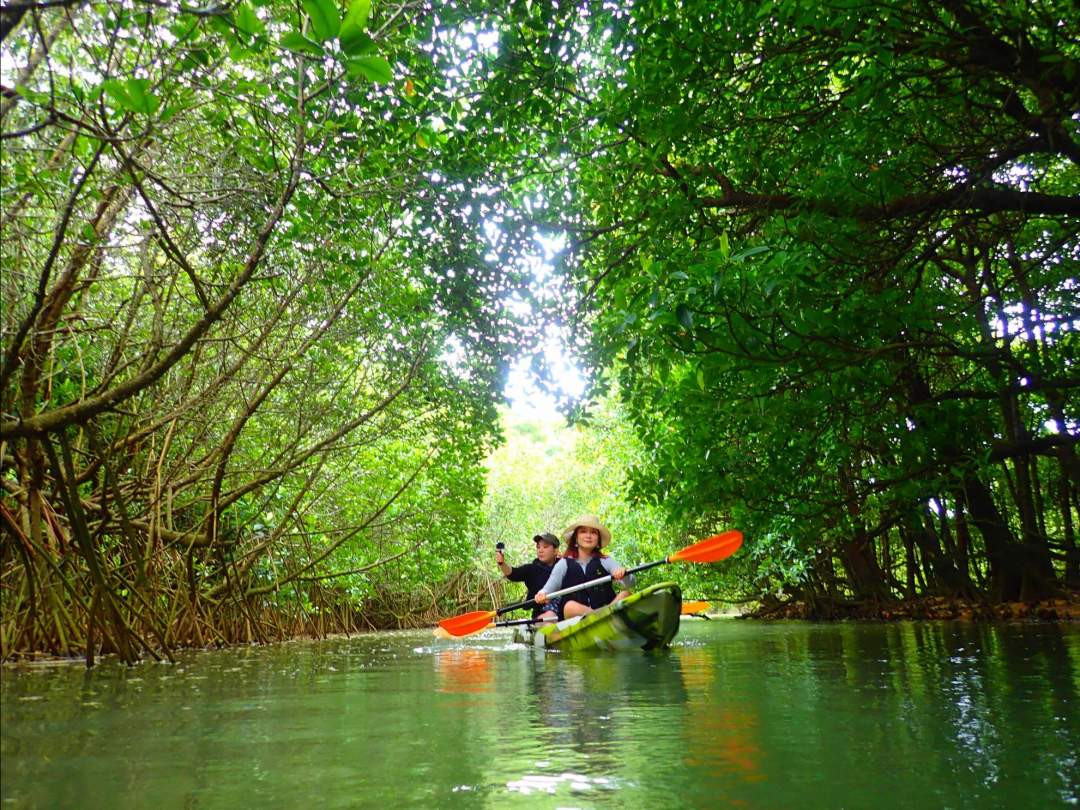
[{"x": 1065, "y": 608}]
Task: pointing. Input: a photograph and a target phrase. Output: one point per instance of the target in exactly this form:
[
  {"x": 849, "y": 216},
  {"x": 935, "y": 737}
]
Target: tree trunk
[
  {"x": 909, "y": 563},
  {"x": 860, "y": 564},
  {"x": 1006, "y": 568},
  {"x": 1072, "y": 558},
  {"x": 947, "y": 577}
]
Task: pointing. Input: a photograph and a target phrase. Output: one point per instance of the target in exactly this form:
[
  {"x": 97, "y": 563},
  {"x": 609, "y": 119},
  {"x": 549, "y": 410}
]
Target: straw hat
[{"x": 589, "y": 521}]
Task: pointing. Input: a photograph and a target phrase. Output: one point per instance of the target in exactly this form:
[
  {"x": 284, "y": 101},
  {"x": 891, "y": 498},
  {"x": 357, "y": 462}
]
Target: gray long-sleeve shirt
[{"x": 559, "y": 571}]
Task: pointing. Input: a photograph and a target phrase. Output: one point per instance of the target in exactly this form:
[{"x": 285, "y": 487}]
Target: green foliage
[
  {"x": 829, "y": 253},
  {"x": 265, "y": 266},
  {"x": 233, "y": 283},
  {"x": 547, "y": 473}
]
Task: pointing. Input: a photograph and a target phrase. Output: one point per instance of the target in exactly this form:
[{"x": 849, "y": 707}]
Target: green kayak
[{"x": 645, "y": 620}]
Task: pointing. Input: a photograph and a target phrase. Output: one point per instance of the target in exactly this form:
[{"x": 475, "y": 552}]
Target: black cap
[{"x": 546, "y": 537}]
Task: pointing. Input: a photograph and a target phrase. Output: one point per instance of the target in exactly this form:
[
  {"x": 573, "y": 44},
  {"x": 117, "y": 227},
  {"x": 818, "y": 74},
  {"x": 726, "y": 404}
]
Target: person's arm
[
  {"x": 500, "y": 561},
  {"x": 554, "y": 582},
  {"x": 612, "y": 566}
]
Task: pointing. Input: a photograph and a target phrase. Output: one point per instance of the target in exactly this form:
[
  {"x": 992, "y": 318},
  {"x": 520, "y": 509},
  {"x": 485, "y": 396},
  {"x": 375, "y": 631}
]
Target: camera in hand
[{"x": 500, "y": 546}]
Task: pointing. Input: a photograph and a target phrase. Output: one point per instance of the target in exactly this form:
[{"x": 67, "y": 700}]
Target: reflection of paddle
[
  {"x": 712, "y": 549},
  {"x": 692, "y": 608},
  {"x": 460, "y": 670}
]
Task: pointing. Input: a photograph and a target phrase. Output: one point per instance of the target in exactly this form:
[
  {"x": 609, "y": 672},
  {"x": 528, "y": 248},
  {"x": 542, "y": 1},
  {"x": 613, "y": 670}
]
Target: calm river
[{"x": 741, "y": 714}]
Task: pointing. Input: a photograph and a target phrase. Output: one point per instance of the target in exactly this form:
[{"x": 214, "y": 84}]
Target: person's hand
[
  {"x": 618, "y": 573},
  {"x": 540, "y": 598},
  {"x": 498, "y": 557}
]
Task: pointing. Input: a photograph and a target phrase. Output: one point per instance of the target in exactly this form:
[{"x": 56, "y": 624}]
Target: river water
[{"x": 736, "y": 714}]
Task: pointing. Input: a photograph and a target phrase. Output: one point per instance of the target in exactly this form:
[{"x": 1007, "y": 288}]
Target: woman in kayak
[{"x": 584, "y": 561}]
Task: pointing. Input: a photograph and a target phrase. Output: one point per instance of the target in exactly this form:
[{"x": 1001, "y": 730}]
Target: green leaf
[
  {"x": 744, "y": 254},
  {"x": 142, "y": 99},
  {"x": 34, "y": 95},
  {"x": 224, "y": 26},
  {"x": 685, "y": 316},
  {"x": 373, "y": 68},
  {"x": 246, "y": 20},
  {"x": 295, "y": 41},
  {"x": 725, "y": 245},
  {"x": 358, "y": 44},
  {"x": 325, "y": 20},
  {"x": 184, "y": 29},
  {"x": 132, "y": 95},
  {"x": 116, "y": 92},
  {"x": 194, "y": 58},
  {"x": 180, "y": 102},
  {"x": 352, "y": 36}
]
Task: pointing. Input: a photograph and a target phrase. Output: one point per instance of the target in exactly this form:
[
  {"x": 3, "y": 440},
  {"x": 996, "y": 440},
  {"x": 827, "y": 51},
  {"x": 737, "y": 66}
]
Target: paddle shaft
[
  {"x": 592, "y": 583},
  {"x": 515, "y": 622}
]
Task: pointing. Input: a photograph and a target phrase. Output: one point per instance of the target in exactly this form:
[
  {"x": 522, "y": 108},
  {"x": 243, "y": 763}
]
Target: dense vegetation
[
  {"x": 264, "y": 264},
  {"x": 829, "y": 251},
  {"x": 243, "y": 367},
  {"x": 546, "y": 473}
]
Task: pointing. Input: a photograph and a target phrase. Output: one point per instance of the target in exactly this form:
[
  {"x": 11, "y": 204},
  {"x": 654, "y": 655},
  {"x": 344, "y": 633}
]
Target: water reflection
[
  {"x": 576, "y": 696},
  {"x": 756, "y": 715},
  {"x": 563, "y": 782},
  {"x": 463, "y": 671},
  {"x": 720, "y": 733}
]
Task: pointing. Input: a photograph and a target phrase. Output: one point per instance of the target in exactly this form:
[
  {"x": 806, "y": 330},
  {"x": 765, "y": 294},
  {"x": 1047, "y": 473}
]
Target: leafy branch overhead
[
  {"x": 265, "y": 265},
  {"x": 237, "y": 380},
  {"x": 829, "y": 253}
]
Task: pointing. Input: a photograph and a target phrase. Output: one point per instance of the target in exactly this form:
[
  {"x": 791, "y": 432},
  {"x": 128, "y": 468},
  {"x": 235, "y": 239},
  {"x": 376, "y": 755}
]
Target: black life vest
[{"x": 593, "y": 597}]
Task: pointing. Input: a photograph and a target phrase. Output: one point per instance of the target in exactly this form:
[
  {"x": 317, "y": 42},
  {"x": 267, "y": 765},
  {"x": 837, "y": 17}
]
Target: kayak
[{"x": 645, "y": 620}]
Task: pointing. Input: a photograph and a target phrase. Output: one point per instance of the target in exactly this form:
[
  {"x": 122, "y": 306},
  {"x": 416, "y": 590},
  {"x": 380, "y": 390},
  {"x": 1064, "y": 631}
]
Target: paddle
[
  {"x": 516, "y": 622},
  {"x": 439, "y": 632},
  {"x": 712, "y": 549}
]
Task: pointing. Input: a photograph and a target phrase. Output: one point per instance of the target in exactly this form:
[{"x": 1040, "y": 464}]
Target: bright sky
[
  {"x": 521, "y": 389},
  {"x": 527, "y": 399}
]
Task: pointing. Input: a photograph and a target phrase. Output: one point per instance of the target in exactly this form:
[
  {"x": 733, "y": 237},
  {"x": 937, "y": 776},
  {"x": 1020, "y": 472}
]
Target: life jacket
[
  {"x": 595, "y": 597},
  {"x": 534, "y": 575}
]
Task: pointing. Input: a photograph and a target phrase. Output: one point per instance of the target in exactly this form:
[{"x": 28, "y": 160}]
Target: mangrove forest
[{"x": 266, "y": 266}]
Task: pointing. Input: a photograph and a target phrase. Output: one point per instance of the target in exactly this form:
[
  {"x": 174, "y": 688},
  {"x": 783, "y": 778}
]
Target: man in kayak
[
  {"x": 535, "y": 573},
  {"x": 584, "y": 561}
]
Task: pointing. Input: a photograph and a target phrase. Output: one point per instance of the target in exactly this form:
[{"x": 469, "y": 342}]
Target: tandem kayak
[{"x": 645, "y": 620}]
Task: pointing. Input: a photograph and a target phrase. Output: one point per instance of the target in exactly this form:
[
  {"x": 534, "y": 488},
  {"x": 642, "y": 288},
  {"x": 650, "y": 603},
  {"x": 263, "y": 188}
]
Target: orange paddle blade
[
  {"x": 690, "y": 608},
  {"x": 467, "y": 623},
  {"x": 711, "y": 549},
  {"x": 438, "y": 632}
]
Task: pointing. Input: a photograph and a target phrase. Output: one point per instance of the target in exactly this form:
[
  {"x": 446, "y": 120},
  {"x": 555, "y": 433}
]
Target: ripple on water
[
  {"x": 755, "y": 715},
  {"x": 575, "y": 782}
]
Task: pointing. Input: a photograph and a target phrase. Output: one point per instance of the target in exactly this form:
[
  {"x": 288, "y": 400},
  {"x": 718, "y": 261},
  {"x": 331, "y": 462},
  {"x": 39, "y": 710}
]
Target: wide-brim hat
[
  {"x": 546, "y": 537},
  {"x": 589, "y": 521}
]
